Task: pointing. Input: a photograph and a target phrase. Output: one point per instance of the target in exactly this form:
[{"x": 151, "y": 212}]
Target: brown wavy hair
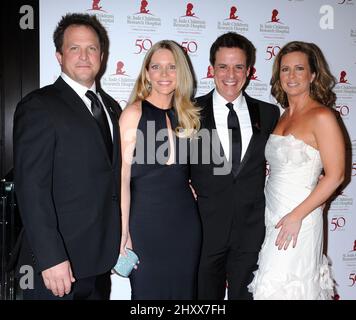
[{"x": 323, "y": 83}]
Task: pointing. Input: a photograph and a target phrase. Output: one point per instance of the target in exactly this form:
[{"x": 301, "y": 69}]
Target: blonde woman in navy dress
[{"x": 160, "y": 221}]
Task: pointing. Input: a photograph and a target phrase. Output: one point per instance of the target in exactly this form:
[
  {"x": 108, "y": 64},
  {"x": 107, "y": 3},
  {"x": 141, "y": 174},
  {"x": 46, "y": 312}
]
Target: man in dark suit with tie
[
  {"x": 230, "y": 194},
  {"x": 67, "y": 170}
]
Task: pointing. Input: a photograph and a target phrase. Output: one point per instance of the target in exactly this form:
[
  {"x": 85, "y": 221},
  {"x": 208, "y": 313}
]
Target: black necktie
[
  {"x": 235, "y": 152},
  {"x": 101, "y": 119}
]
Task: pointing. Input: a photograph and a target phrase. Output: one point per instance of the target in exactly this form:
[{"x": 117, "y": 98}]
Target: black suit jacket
[
  {"x": 67, "y": 187},
  {"x": 233, "y": 207}
]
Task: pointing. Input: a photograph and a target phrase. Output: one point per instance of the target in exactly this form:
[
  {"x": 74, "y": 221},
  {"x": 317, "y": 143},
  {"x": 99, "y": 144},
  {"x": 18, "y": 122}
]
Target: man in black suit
[
  {"x": 67, "y": 170},
  {"x": 230, "y": 194}
]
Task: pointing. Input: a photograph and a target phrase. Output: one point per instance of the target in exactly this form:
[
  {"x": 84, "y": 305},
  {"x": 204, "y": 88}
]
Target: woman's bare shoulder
[
  {"x": 324, "y": 122},
  {"x": 321, "y": 113},
  {"x": 131, "y": 113}
]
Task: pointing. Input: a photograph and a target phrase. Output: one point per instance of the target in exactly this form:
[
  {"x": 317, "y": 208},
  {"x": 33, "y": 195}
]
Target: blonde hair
[
  {"x": 323, "y": 83},
  {"x": 188, "y": 113}
]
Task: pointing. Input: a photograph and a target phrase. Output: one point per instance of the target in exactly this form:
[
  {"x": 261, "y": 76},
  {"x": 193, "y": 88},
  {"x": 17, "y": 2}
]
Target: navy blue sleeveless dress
[{"x": 164, "y": 222}]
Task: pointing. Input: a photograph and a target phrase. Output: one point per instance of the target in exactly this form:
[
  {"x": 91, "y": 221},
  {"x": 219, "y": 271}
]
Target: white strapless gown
[{"x": 300, "y": 273}]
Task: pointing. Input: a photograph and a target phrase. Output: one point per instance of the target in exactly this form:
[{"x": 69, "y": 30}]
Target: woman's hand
[
  {"x": 290, "y": 226},
  {"x": 125, "y": 242}
]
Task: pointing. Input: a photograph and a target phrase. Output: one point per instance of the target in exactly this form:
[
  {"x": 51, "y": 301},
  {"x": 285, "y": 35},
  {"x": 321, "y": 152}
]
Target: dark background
[{"x": 19, "y": 70}]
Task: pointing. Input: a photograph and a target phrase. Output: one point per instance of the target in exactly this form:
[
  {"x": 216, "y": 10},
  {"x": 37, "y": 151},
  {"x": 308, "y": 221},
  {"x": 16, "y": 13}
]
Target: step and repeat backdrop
[{"x": 134, "y": 25}]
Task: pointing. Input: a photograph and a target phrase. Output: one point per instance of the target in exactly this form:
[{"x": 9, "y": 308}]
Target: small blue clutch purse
[{"x": 125, "y": 264}]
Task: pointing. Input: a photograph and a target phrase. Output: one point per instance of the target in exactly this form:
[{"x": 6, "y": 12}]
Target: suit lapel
[
  {"x": 209, "y": 123},
  {"x": 70, "y": 97},
  {"x": 254, "y": 112},
  {"x": 255, "y": 119},
  {"x": 207, "y": 113},
  {"x": 114, "y": 116}
]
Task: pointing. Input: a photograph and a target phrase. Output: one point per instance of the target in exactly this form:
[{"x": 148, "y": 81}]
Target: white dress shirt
[
  {"x": 221, "y": 112},
  {"x": 81, "y": 91}
]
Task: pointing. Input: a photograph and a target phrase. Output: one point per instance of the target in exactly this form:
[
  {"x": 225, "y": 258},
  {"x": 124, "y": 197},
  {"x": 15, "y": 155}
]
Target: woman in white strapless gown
[{"x": 307, "y": 140}]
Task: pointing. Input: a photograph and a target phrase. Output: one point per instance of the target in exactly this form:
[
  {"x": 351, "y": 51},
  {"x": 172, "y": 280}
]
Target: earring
[{"x": 149, "y": 86}]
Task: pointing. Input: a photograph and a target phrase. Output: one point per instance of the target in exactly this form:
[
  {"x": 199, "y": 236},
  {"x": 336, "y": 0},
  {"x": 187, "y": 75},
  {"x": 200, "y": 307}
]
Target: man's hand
[{"x": 59, "y": 278}]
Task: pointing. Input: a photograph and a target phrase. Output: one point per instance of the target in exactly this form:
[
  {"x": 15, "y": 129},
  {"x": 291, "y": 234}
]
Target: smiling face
[
  {"x": 230, "y": 72},
  {"x": 81, "y": 55},
  {"x": 162, "y": 74},
  {"x": 295, "y": 74}
]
